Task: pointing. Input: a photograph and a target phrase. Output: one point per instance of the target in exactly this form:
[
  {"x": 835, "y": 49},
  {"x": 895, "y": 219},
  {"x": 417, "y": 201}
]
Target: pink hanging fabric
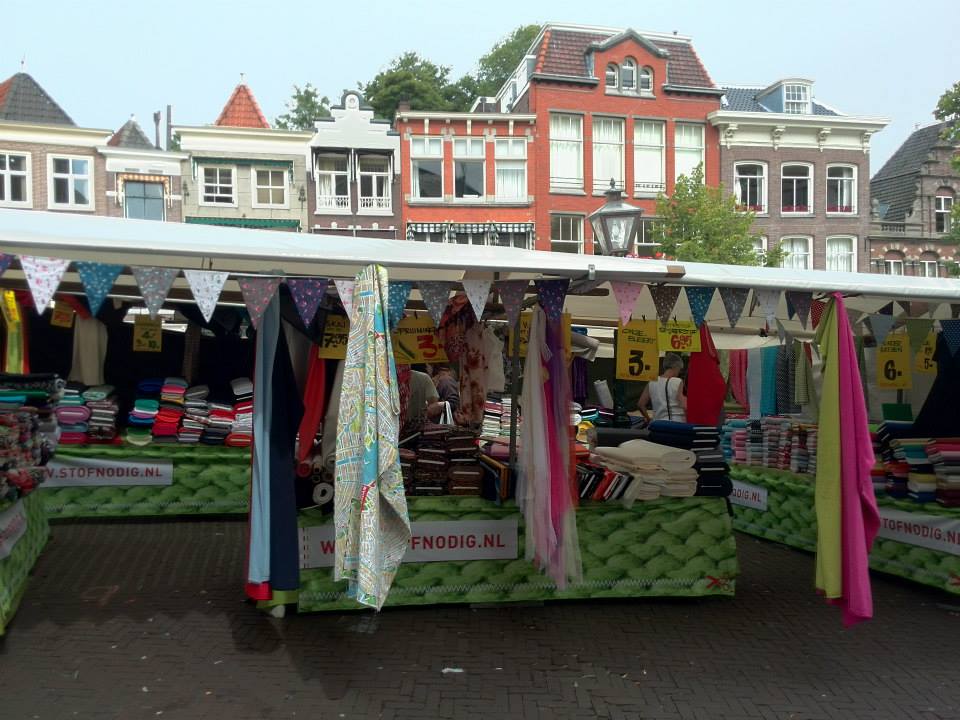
[{"x": 738, "y": 378}]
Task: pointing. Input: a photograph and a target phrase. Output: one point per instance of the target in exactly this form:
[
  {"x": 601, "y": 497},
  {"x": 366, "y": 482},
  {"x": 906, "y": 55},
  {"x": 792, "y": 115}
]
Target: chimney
[
  {"x": 169, "y": 126},
  {"x": 156, "y": 128},
  {"x": 403, "y": 106}
]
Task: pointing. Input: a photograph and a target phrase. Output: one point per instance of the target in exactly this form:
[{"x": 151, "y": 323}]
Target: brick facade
[{"x": 39, "y": 172}]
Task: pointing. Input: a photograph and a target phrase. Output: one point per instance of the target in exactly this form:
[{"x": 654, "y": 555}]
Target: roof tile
[
  {"x": 132, "y": 136},
  {"x": 744, "y": 99},
  {"x": 242, "y": 110},
  {"x": 895, "y": 184},
  {"x": 23, "y": 100}
]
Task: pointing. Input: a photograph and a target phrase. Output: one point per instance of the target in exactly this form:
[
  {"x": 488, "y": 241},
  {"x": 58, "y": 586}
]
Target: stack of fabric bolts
[
  {"x": 27, "y": 430},
  {"x": 167, "y": 425},
  {"x": 464, "y": 473},
  {"x": 196, "y": 409},
  {"x": 652, "y": 469},
  {"x": 73, "y": 416},
  {"x": 144, "y": 412},
  {"x": 432, "y": 461},
  {"x": 492, "y": 415},
  {"x": 408, "y": 462},
  {"x": 103, "y": 413},
  {"x": 944, "y": 455},
  {"x": 219, "y": 424},
  {"x": 241, "y": 433}
]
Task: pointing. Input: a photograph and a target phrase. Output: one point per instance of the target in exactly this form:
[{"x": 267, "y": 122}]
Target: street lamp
[{"x": 616, "y": 224}]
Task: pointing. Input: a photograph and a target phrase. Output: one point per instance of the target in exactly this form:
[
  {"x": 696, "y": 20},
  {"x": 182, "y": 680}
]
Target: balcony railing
[
  {"x": 333, "y": 202},
  {"x": 640, "y": 188},
  {"x": 893, "y": 227},
  {"x": 375, "y": 203}
]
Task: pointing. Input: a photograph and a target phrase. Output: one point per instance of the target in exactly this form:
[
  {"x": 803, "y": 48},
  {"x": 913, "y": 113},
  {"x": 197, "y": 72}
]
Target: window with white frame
[
  {"x": 750, "y": 186},
  {"x": 688, "y": 153},
  {"x": 796, "y": 99},
  {"x": 942, "y": 210},
  {"x": 760, "y": 248},
  {"x": 374, "y": 182},
  {"x": 612, "y": 77},
  {"x": 607, "y": 153},
  {"x": 333, "y": 183},
  {"x": 143, "y": 200},
  {"x": 628, "y": 75},
  {"x": 426, "y": 179},
  {"x": 511, "y": 238},
  {"x": 842, "y": 189},
  {"x": 646, "y": 81},
  {"x": 648, "y": 157},
  {"x": 510, "y": 155},
  {"x": 796, "y": 189},
  {"x": 566, "y": 152},
  {"x": 797, "y": 250},
  {"x": 15, "y": 190},
  {"x": 929, "y": 263},
  {"x": 842, "y": 253},
  {"x": 469, "y": 176},
  {"x": 269, "y": 187},
  {"x": 71, "y": 182},
  {"x": 218, "y": 186},
  {"x": 893, "y": 262},
  {"x": 566, "y": 233}
]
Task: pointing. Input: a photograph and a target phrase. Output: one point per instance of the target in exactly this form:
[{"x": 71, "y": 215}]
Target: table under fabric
[
  {"x": 15, "y": 568},
  {"x": 917, "y": 541},
  {"x": 207, "y": 480},
  {"x": 665, "y": 548}
]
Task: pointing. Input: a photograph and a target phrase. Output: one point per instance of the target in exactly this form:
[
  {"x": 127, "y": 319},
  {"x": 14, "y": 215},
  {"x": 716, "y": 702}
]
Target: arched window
[
  {"x": 893, "y": 262},
  {"x": 646, "y": 81},
  {"x": 842, "y": 253},
  {"x": 613, "y": 76},
  {"x": 798, "y": 249},
  {"x": 930, "y": 263},
  {"x": 628, "y": 75},
  {"x": 942, "y": 210},
  {"x": 750, "y": 186}
]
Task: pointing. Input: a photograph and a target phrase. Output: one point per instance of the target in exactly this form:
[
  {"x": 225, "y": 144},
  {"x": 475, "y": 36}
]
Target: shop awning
[
  {"x": 262, "y": 223},
  {"x": 262, "y": 162}
]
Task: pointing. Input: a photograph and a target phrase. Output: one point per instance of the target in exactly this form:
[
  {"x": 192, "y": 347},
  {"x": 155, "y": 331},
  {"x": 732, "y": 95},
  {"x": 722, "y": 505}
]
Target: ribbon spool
[{"x": 322, "y": 493}]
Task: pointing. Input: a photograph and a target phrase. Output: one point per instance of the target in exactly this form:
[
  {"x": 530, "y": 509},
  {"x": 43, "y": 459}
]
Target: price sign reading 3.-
[
  {"x": 637, "y": 354},
  {"x": 893, "y": 363},
  {"x": 415, "y": 340},
  {"x": 679, "y": 337}
]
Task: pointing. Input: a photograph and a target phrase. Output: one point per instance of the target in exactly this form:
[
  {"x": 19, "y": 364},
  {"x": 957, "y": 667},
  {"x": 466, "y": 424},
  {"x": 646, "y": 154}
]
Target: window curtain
[
  {"x": 565, "y": 143},
  {"x": 648, "y": 153},
  {"x": 840, "y": 254},
  {"x": 510, "y": 179},
  {"x": 798, "y": 257},
  {"x": 607, "y": 152}
]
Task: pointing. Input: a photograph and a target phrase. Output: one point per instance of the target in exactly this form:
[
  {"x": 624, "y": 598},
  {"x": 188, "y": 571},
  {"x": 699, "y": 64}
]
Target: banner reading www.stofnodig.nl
[
  {"x": 66, "y": 471},
  {"x": 430, "y": 541}
]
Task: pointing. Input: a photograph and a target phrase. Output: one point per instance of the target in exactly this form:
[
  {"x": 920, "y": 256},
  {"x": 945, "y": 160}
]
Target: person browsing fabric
[
  {"x": 665, "y": 396},
  {"x": 419, "y": 401}
]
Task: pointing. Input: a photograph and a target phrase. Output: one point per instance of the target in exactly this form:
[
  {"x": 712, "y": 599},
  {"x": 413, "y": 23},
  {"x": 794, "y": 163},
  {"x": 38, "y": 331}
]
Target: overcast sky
[{"x": 103, "y": 60}]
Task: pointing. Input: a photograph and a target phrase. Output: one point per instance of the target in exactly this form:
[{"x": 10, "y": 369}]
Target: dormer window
[
  {"x": 613, "y": 76},
  {"x": 796, "y": 99},
  {"x": 628, "y": 75}
]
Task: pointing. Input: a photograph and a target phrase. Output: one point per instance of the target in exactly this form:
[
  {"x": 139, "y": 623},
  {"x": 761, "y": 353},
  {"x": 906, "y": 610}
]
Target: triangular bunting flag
[
  {"x": 5, "y": 261},
  {"x": 734, "y": 300},
  {"x": 886, "y": 309},
  {"x": 477, "y": 292},
  {"x": 790, "y": 311},
  {"x": 951, "y": 334},
  {"x": 511, "y": 295},
  {"x": 435, "y": 296},
  {"x": 880, "y": 326},
  {"x": 801, "y": 306},
  {"x": 97, "y": 279},
  {"x": 782, "y": 333},
  {"x": 552, "y": 294},
  {"x": 307, "y": 295},
  {"x": 699, "y": 299},
  {"x": 257, "y": 293},
  {"x": 664, "y": 299},
  {"x": 768, "y": 300},
  {"x": 206, "y": 286},
  {"x": 626, "y": 294},
  {"x": 154, "y": 284},
  {"x": 917, "y": 331},
  {"x": 345, "y": 291},
  {"x": 397, "y": 295},
  {"x": 43, "y": 277},
  {"x": 816, "y": 312}
]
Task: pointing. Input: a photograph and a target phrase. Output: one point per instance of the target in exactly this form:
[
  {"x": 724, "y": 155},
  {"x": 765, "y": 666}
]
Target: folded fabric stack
[
  {"x": 920, "y": 479},
  {"x": 433, "y": 463},
  {"x": 507, "y": 403},
  {"x": 103, "y": 413},
  {"x": 713, "y": 474},
  {"x": 72, "y": 415},
  {"x": 196, "y": 410},
  {"x": 944, "y": 455},
  {"x": 654, "y": 469},
  {"x": 241, "y": 433},
  {"x": 27, "y": 430},
  {"x": 492, "y": 416},
  {"x": 143, "y": 415},
  {"x": 598, "y": 482},
  {"x": 753, "y": 446},
  {"x": 464, "y": 474},
  {"x": 803, "y": 450},
  {"x": 894, "y": 459},
  {"x": 734, "y": 439},
  {"x": 684, "y": 435},
  {"x": 219, "y": 424},
  {"x": 408, "y": 464},
  {"x": 777, "y": 442},
  {"x": 173, "y": 390}
]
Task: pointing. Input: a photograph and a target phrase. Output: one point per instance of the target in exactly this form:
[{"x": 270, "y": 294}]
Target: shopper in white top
[{"x": 666, "y": 394}]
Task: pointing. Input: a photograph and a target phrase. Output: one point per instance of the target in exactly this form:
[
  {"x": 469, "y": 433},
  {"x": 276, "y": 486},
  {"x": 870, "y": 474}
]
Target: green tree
[
  {"x": 702, "y": 224},
  {"x": 496, "y": 66},
  {"x": 410, "y": 78},
  {"x": 306, "y": 106},
  {"x": 948, "y": 110}
]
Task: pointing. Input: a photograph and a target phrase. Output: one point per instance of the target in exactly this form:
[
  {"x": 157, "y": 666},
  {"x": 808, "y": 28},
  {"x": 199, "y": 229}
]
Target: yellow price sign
[
  {"x": 11, "y": 310},
  {"x": 893, "y": 363},
  {"x": 524, "y": 325},
  {"x": 923, "y": 361},
  {"x": 416, "y": 340},
  {"x": 333, "y": 346},
  {"x": 637, "y": 353},
  {"x": 62, "y": 317},
  {"x": 679, "y": 337},
  {"x": 147, "y": 334}
]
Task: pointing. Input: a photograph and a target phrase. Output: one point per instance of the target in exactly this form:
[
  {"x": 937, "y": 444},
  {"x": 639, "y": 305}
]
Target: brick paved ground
[{"x": 145, "y": 620}]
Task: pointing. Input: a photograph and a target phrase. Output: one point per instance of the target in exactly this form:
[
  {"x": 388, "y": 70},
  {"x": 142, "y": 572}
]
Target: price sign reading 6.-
[
  {"x": 679, "y": 337},
  {"x": 893, "y": 363},
  {"x": 924, "y": 362},
  {"x": 333, "y": 346},
  {"x": 637, "y": 354},
  {"x": 147, "y": 334},
  {"x": 415, "y": 340}
]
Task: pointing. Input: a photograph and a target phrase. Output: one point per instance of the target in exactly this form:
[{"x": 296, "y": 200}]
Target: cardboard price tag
[
  {"x": 62, "y": 317},
  {"x": 11, "y": 311},
  {"x": 637, "y": 352},
  {"x": 924, "y": 362},
  {"x": 335, "y": 335},
  {"x": 893, "y": 363},
  {"x": 679, "y": 337},
  {"x": 524, "y": 326},
  {"x": 416, "y": 340},
  {"x": 147, "y": 334}
]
